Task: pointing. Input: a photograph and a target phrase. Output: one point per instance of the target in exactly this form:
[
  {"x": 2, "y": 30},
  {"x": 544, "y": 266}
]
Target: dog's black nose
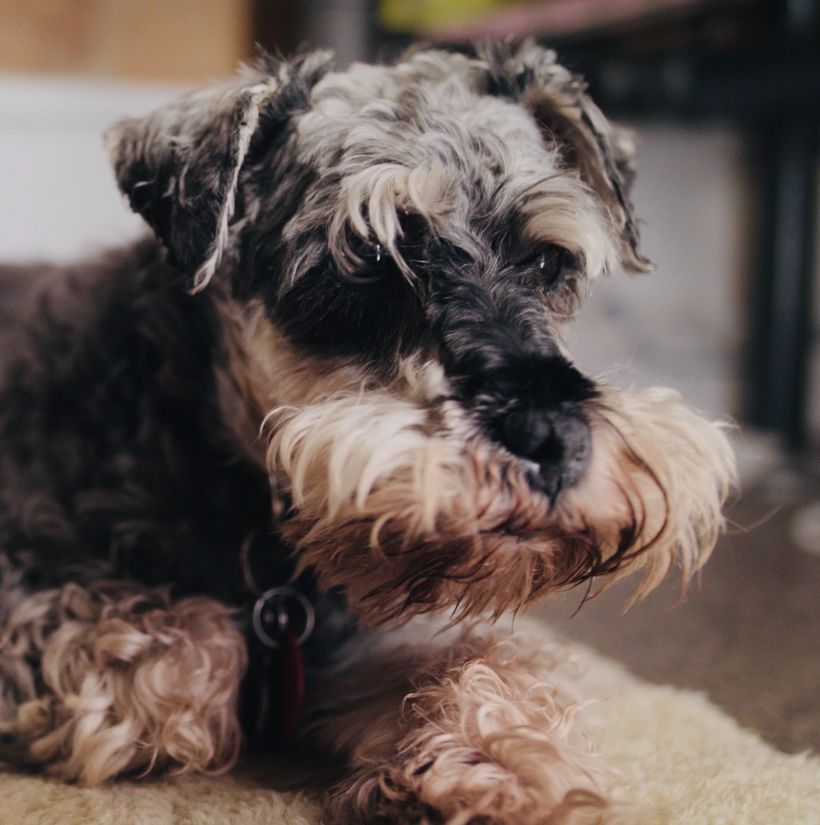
[{"x": 558, "y": 441}]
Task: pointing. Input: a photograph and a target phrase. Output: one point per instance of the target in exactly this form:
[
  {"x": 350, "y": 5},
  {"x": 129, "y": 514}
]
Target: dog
[{"x": 271, "y": 474}]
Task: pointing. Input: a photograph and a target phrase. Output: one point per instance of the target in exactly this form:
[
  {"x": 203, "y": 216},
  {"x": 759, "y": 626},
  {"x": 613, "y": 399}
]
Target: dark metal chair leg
[{"x": 782, "y": 306}]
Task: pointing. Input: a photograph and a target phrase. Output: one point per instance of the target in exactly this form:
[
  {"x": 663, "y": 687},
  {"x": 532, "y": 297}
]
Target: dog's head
[{"x": 402, "y": 246}]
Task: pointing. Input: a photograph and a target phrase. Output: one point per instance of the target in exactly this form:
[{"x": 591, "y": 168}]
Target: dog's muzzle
[
  {"x": 556, "y": 441},
  {"x": 535, "y": 407}
]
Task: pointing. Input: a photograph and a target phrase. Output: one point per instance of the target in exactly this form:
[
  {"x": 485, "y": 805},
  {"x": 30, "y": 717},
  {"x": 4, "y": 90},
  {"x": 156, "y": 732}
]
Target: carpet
[{"x": 684, "y": 762}]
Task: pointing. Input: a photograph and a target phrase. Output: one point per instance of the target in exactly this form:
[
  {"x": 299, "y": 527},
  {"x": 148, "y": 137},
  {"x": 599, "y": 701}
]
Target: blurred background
[{"x": 724, "y": 95}]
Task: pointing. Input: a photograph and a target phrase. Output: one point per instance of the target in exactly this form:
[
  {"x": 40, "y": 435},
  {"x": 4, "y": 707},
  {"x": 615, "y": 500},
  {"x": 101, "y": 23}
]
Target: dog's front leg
[
  {"x": 111, "y": 678},
  {"x": 471, "y": 726}
]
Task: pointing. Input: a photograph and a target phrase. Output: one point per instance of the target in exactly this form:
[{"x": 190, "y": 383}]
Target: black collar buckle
[{"x": 280, "y": 612}]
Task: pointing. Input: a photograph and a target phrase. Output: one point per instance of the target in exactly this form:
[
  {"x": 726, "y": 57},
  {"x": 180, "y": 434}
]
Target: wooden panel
[
  {"x": 46, "y": 35},
  {"x": 179, "y": 40},
  {"x": 183, "y": 40}
]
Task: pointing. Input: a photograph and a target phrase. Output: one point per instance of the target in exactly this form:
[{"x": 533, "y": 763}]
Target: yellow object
[{"x": 419, "y": 16}]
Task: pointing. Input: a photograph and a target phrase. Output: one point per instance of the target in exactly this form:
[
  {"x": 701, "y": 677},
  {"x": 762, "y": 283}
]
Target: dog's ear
[
  {"x": 180, "y": 165},
  {"x": 602, "y": 152}
]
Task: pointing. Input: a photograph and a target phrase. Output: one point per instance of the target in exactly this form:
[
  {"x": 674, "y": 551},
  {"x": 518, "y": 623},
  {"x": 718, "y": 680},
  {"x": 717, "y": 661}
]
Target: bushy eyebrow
[{"x": 371, "y": 203}]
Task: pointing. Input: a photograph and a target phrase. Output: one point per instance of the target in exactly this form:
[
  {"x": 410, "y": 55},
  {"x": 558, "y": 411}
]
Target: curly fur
[
  {"x": 486, "y": 732},
  {"x": 111, "y": 679}
]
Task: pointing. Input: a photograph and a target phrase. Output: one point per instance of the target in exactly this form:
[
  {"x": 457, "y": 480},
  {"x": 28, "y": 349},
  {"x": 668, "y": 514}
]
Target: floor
[{"x": 748, "y": 633}]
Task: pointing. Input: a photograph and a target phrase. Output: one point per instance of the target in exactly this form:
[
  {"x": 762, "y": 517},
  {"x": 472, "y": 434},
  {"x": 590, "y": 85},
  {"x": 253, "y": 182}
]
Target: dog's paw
[
  {"x": 483, "y": 741},
  {"x": 467, "y": 788}
]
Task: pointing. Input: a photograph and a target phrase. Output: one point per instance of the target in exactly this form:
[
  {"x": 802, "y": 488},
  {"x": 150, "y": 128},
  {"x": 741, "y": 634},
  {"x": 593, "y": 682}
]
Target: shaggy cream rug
[{"x": 684, "y": 762}]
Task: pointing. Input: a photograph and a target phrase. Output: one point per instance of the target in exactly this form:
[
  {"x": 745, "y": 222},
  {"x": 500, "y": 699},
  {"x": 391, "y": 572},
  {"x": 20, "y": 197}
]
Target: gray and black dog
[{"x": 329, "y": 396}]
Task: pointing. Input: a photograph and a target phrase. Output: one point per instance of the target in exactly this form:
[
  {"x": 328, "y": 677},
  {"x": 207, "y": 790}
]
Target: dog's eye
[
  {"x": 376, "y": 262},
  {"x": 549, "y": 263}
]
